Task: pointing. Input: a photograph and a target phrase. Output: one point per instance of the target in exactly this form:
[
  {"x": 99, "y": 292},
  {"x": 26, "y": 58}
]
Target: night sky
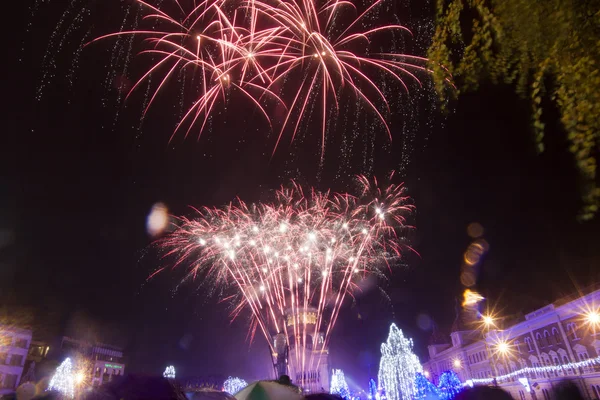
[{"x": 78, "y": 180}]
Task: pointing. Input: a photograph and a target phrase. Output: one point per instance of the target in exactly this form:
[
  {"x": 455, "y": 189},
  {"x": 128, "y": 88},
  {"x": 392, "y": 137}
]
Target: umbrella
[
  {"x": 263, "y": 390},
  {"x": 208, "y": 394}
]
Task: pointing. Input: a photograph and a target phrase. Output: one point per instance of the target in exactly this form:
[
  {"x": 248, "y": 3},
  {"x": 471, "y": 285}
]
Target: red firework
[
  {"x": 304, "y": 249},
  {"x": 253, "y": 46}
]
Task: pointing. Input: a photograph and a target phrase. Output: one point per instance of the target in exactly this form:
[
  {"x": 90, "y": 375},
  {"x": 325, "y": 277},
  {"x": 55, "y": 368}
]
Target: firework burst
[
  {"x": 306, "y": 249},
  {"x": 295, "y": 53}
]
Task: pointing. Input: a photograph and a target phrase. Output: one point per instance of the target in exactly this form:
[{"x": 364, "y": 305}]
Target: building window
[
  {"x": 596, "y": 391},
  {"x": 538, "y": 337},
  {"x": 16, "y": 359},
  {"x": 556, "y": 335},
  {"x": 22, "y": 343},
  {"x": 572, "y": 327},
  {"x": 546, "y": 394},
  {"x": 521, "y": 395},
  {"x": 10, "y": 381},
  {"x": 547, "y": 338},
  {"x": 528, "y": 341}
]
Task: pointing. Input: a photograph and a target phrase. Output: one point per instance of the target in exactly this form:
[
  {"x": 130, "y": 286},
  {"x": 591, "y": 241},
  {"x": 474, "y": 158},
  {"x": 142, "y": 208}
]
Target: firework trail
[
  {"x": 295, "y": 54},
  {"x": 305, "y": 249}
]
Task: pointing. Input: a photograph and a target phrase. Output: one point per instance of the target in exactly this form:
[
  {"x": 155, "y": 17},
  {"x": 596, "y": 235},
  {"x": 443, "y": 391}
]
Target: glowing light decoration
[
  {"x": 298, "y": 54},
  {"x": 63, "y": 380},
  {"x": 234, "y": 385},
  {"x": 338, "y": 384},
  {"x": 449, "y": 385},
  {"x": 169, "y": 372},
  {"x": 539, "y": 370},
  {"x": 372, "y": 389},
  {"x": 525, "y": 383},
  {"x": 424, "y": 388},
  {"x": 398, "y": 366},
  {"x": 278, "y": 274}
]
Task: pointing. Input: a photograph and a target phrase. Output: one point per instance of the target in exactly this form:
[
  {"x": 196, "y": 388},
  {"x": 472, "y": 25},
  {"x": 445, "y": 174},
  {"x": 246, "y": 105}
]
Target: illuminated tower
[{"x": 305, "y": 352}]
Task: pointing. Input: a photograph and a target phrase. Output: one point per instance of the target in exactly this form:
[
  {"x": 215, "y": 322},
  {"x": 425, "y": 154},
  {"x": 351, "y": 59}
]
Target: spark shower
[
  {"x": 290, "y": 54},
  {"x": 304, "y": 249}
]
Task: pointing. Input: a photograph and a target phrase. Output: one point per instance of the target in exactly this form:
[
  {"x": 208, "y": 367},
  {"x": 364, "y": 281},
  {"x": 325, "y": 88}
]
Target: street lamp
[
  {"x": 79, "y": 378},
  {"x": 488, "y": 320},
  {"x": 593, "y": 318},
  {"x": 503, "y": 348}
]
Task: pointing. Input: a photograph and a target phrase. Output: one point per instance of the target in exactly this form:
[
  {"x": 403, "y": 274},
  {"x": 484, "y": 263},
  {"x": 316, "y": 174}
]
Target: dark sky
[{"x": 79, "y": 177}]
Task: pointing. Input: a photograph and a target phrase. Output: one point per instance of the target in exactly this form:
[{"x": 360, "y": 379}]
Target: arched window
[
  {"x": 596, "y": 390},
  {"x": 556, "y": 335},
  {"x": 528, "y": 341},
  {"x": 538, "y": 337},
  {"x": 547, "y": 338},
  {"x": 572, "y": 327}
]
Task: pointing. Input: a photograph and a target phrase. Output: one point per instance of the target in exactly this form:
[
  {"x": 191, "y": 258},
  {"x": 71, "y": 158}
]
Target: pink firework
[
  {"x": 258, "y": 47},
  {"x": 306, "y": 249}
]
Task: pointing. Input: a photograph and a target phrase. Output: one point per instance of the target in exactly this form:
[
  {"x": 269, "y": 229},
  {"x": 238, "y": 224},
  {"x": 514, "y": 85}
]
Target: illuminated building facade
[
  {"x": 530, "y": 357},
  {"x": 14, "y": 345},
  {"x": 106, "y": 361},
  {"x": 303, "y": 352}
]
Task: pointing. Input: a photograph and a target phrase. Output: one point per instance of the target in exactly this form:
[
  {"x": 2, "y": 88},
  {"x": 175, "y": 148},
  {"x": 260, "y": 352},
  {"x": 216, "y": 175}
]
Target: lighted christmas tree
[
  {"x": 398, "y": 366},
  {"x": 63, "y": 380},
  {"x": 234, "y": 385},
  {"x": 449, "y": 385},
  {"x": 424, "y": 388},
  {"x": 338, "y": 384},
  {"x": 169, "y": 372}
]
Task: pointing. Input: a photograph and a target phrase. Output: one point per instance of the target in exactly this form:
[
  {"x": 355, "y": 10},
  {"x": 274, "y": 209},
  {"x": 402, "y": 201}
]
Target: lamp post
[{"x": 488, "y": 323}]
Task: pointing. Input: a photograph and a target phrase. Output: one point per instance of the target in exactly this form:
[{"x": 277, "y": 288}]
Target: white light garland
[{"x": 536, "y": 370}]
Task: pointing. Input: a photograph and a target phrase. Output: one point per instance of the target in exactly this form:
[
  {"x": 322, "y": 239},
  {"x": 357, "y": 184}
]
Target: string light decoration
[
  {"x": 424, "y": 388},
  {"x": 449, "y": 385},
  {"x": 398, "y": 366},
  {"x": 372, "y": 389},
  {"x": 339, "y": 385},
  {"x": 536, "y": 370},
  {"x": 169, "y": 372},
  {"x": 234, "y": 385},
  {"x": 63, "y": 380}
]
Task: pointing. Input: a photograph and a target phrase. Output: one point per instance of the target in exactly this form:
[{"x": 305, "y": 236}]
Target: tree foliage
[
  {"x": 424, "y": 388},
  {"x": 449, "y": 385},
  {"x": 548, "y": 49}
]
